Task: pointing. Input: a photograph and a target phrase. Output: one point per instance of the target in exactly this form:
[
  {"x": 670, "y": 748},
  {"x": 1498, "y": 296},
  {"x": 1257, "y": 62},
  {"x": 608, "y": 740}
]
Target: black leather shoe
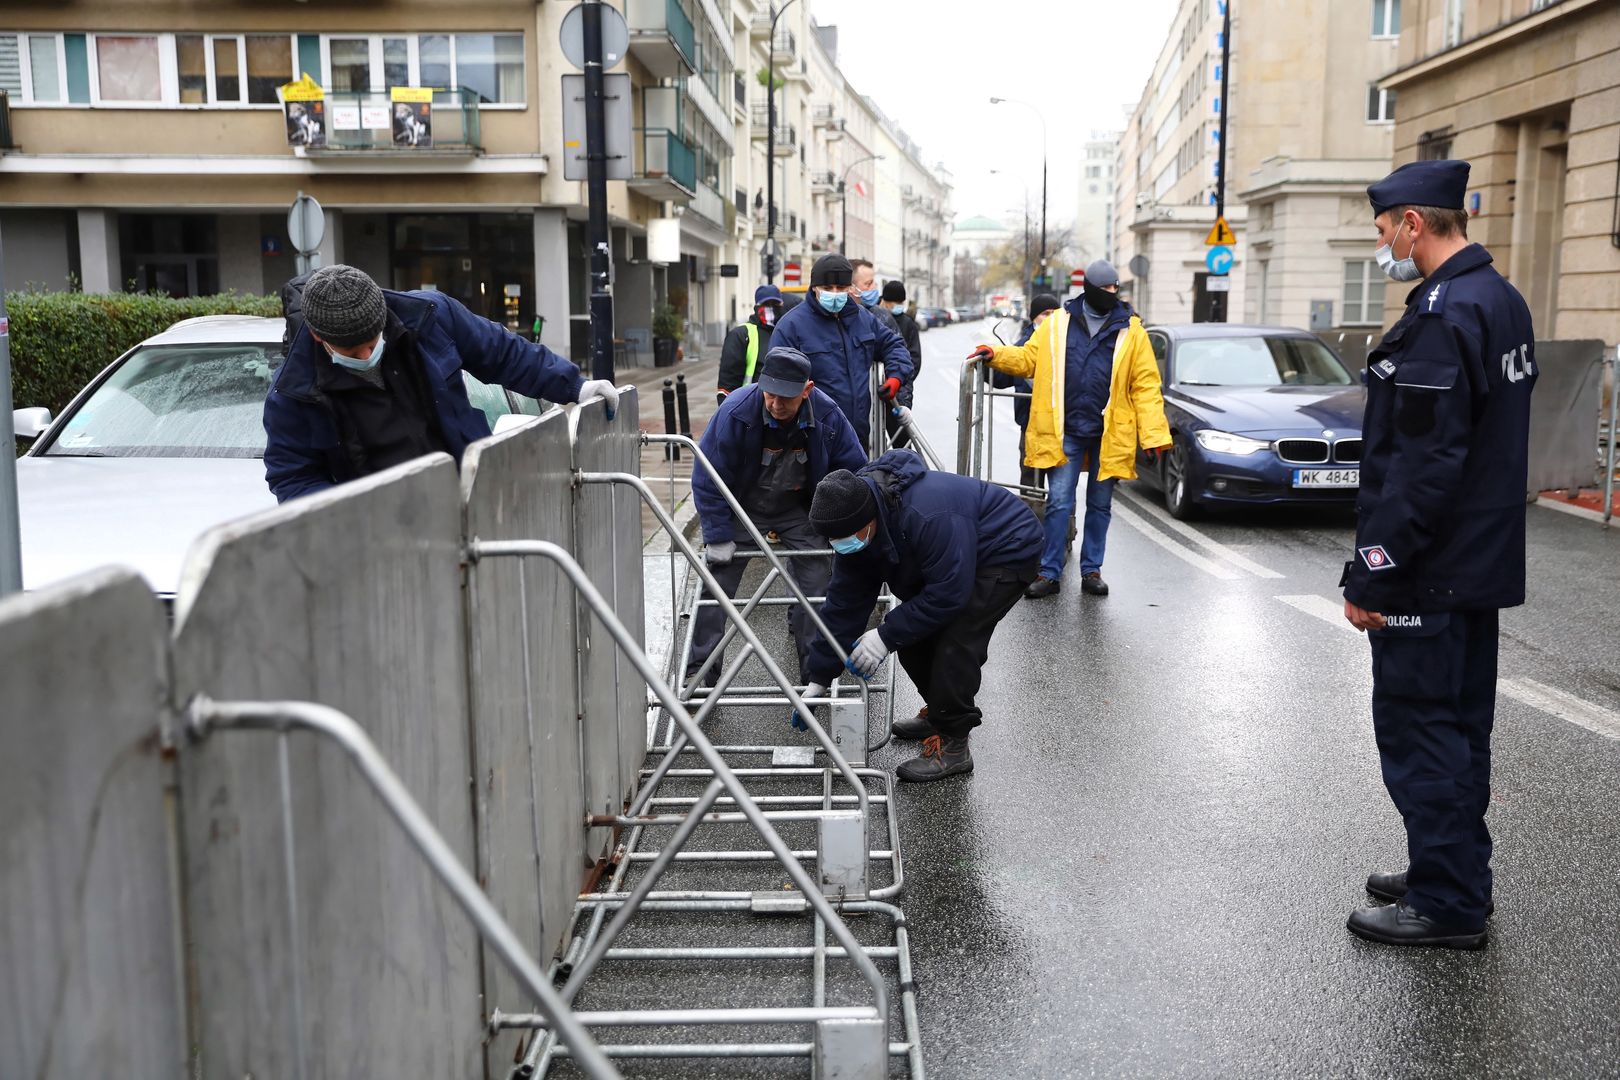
[
  {"x": 1398, "y": 924},
  {"x": 913, "y": 727},
  {"x": 1042, "y": 587},
  {"x": 940, "y": 757},
  {"x": 1093, "y": 584},
  {"x": 1392, "y": 887}
]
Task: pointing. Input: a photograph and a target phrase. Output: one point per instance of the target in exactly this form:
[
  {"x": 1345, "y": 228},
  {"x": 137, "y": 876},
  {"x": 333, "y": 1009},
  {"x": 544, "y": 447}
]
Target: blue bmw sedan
[{"x": 1260, "y": 415}]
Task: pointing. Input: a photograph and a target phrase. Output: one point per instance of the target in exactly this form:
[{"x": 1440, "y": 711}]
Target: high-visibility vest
[{"x": 753, "y": 351}]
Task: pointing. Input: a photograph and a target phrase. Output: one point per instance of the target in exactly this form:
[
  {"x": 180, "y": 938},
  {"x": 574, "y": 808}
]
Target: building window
[
  {"x": 491, "y": 65},
  {"x": 1386, "y": 18},
  {"x": 128, "y": 69},
  {"x": 1380, "y": 105},
  {"x": 1363, "y": 293},
  {"x": 1434, "y": 145},
  {"x": 210, "y": 70},
  {"x": 1454, "y": 23}
]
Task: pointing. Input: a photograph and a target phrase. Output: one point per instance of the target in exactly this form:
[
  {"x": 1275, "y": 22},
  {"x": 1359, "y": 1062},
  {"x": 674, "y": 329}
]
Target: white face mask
[{"x": 1398, "y": 269}]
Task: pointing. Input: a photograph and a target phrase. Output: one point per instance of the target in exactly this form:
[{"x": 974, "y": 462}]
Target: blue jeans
[{"x": 1061, "y": 483}]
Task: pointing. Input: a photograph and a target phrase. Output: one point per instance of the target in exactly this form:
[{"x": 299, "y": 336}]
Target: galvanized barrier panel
[
  {"x": 1564, "y": 413},
  {"x": 89, "y": 930},
  {"x": 321, "y": 945},
  {"x": 607, "y": 543},
  {"x": 524, "y": 686}
]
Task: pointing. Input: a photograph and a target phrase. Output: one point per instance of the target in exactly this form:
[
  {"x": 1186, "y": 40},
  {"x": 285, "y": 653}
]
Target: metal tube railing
[
  {"x": 722, "y": 772},
  {"x": 205, "y": 716}
]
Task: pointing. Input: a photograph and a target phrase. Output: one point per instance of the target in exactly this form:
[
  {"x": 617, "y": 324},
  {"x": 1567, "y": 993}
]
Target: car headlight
[{"x": 1224, "y": 442}]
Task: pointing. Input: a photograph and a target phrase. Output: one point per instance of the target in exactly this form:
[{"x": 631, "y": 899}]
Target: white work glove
[
  {"x": 868, "y": 653},
  {"x": 901, "y": 413},
  {"x": 600, "y": 388},
  {"x": 720, "y": 554},
  {"x": 814, "y": 690}
]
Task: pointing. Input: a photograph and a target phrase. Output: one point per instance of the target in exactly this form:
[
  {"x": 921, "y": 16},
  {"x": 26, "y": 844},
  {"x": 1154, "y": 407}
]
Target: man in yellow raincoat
[{"x": 1096, "y": 398}]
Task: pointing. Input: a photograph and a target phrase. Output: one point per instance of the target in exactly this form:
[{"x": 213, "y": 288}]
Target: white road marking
[
  {"x": 1327, "y": 610},
  {"x": 1564, "y": 705},
  {"x": 1215, "y": 547},
  {"x": 1213, "y": 569}
]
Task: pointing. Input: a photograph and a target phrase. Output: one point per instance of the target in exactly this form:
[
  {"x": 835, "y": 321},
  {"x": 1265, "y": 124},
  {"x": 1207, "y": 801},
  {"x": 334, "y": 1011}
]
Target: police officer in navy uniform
[{"x": 1439, "y": 547}]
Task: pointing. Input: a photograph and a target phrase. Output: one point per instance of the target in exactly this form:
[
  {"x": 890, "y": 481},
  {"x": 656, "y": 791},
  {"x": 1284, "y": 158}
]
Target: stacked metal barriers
[{"x": 470, "y": 642}]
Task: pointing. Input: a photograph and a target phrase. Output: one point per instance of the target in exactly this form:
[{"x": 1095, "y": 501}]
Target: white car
[{"x": 163, "y": 445}]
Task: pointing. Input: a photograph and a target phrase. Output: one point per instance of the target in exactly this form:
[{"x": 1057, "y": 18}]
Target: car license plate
[{"x": 1327, "y": 478}]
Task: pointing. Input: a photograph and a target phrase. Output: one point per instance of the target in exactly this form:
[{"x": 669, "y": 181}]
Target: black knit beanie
[{"x": 842, "y": 505}]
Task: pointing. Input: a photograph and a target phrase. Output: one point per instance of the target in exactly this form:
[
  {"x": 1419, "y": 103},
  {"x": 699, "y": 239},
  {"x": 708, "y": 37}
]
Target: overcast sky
[{"x": 933, "y": 67}]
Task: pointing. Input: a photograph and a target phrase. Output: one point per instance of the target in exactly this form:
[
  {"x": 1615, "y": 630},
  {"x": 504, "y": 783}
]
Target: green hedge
[{"x": 61, "y": 340}]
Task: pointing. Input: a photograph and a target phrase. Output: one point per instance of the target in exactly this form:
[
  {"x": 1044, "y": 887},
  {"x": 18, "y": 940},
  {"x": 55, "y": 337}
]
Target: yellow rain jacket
[{"x": 1134, "y": 413}]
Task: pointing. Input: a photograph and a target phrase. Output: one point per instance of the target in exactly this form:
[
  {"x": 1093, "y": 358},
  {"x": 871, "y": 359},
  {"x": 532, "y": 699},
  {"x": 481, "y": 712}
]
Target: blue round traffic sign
[{"x": 1219, "y": 260}]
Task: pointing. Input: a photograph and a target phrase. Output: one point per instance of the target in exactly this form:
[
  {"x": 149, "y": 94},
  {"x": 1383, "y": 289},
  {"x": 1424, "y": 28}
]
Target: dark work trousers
[
  {"x": 1434, "y": 701},
  {"x": 812, "y": 572},
  {"x": 948, "y": 666}
]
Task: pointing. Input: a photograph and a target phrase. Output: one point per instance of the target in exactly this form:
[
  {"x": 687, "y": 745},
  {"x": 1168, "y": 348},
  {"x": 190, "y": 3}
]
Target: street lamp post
[
  {"x": 1042, "y": 117},
  {"x": 843, "y": 197},
  {"x": 770, "y": 142}
]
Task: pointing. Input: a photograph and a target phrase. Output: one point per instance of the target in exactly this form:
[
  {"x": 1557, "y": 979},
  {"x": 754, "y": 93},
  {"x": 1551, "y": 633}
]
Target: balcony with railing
[
  {"x": 787, "y": 136},
  {"x": 823, "y": 182},
  {"x": 666, "y": 167},
  {"x": 370, "y": 123},
  {"x": 786, "y": 47},
  {"x": 662, "y": 37}
]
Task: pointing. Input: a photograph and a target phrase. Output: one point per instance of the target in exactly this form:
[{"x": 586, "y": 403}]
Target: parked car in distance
[
  {"x": 1260, "y": 415},
  {"x": 930, "y": 317},
  {"x": 164, "y": 444}
]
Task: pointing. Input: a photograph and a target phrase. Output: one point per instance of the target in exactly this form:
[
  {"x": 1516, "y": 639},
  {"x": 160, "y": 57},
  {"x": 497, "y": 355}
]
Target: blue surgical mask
[
  {"x": 360, "y": 365},
  {"x": 1398, "y": 269},
  {"x": 831, "y": 302},
  {"x": 869, "y": 296},
  {"x": 849, "y": 545}
]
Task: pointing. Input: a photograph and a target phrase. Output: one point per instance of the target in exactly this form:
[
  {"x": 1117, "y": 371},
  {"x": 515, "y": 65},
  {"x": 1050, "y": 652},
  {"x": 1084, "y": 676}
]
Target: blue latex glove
[{"x": 814, "y": 690}]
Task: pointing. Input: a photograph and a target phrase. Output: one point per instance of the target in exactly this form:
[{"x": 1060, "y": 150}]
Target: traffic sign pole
[
  {"x": 1217, "y": 311},
  {"x": 10, "y": 532}
]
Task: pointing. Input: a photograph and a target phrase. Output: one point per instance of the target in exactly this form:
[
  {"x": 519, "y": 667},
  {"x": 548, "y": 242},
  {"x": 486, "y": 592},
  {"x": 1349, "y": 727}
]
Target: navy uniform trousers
[{"x": 1434, "y": 701}]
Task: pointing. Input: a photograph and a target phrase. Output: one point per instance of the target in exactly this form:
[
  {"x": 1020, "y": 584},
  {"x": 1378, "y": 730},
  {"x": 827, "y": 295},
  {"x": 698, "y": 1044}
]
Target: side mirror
[
  {"x": 512, "y": 421},
  {"x": 30, "y": 423}
]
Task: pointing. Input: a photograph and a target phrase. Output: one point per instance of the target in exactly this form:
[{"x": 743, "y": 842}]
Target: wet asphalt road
[{"x": 1176, "y": 803}]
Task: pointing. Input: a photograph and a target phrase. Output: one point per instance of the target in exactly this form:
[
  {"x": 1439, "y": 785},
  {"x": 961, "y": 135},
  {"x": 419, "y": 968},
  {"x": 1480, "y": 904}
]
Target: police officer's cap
[
  {"x": 767, "y": 294},
  {"x": 1421, "y": 183},
  {"x": 785, "y": 372}
]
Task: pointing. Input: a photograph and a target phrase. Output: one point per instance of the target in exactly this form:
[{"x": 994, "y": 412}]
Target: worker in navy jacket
[
  {"x": 771, "y": 442},
  {"x": 844, "y": 341},
  {"x": 374, "y": 378},
  {"x": 1440, "y": 547},
  {"x": 959, "y": 553}
]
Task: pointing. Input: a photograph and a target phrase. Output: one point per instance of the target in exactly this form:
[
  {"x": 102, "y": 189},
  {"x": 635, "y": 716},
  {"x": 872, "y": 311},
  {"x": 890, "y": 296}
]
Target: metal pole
[
  {"x": 10, "y": 521},
  {"x": 843, "y": 229},
  {"x": 1614, "y": 414},
  {"x": 1218, "y": 301},
  {"x": 282, "y": 716},
  {"x": 770, "y": 142},
  {"x": 597, "y": 196}
]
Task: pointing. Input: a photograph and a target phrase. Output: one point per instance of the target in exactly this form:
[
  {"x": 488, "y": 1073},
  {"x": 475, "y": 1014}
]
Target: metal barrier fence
[{"x": 234, "y": 906}]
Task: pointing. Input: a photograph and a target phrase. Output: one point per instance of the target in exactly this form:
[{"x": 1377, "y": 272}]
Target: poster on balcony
[
  {"x": 345, "y": 117},
  {"x": 374, "y": 117},
  {"x": 304, "y": 105},
  {"x": 413, "y": 116}
]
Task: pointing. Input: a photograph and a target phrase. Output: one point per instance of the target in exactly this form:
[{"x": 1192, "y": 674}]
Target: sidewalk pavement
[{"x": 701, "y": 378}]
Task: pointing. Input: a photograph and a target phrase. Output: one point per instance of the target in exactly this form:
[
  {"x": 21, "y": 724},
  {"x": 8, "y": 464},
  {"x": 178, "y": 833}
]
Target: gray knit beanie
[{"x": 344, "y": 306}]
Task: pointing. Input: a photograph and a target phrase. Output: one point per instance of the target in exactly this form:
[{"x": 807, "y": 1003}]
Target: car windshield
[
  {"x": 1258, "y": 361},
  {"x": 176, "y": 401}
]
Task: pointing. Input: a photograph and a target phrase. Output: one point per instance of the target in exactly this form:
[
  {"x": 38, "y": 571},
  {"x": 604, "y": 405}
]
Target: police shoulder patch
[
  {"x": 1384, "y": 368},
  {"x": 1433, "y": 300},
  {"x": 1376, "y": 557}
]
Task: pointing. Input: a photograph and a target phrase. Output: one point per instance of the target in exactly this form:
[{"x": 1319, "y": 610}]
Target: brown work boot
[
  {"x": 941, "y": 757},
  {"x": 915, "y": 727}
]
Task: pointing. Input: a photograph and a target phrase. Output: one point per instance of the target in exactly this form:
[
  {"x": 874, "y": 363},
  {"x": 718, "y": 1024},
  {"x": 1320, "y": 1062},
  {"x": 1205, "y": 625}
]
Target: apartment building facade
[
  {"x": 1094, "y": 201},
  {"x": 1528, "y": 92},
  {"x": 150, "y": 149}
]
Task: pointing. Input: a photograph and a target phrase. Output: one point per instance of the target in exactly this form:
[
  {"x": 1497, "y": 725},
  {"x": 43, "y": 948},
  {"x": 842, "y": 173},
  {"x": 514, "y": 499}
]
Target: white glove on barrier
[
  {"x": 600, "y": 388},
  {"x": 814, "y": 690},
  {"x": 868, "y": 653},
  {"x": 720, "y": 554},
  {"x": 902, "y": 413}
]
